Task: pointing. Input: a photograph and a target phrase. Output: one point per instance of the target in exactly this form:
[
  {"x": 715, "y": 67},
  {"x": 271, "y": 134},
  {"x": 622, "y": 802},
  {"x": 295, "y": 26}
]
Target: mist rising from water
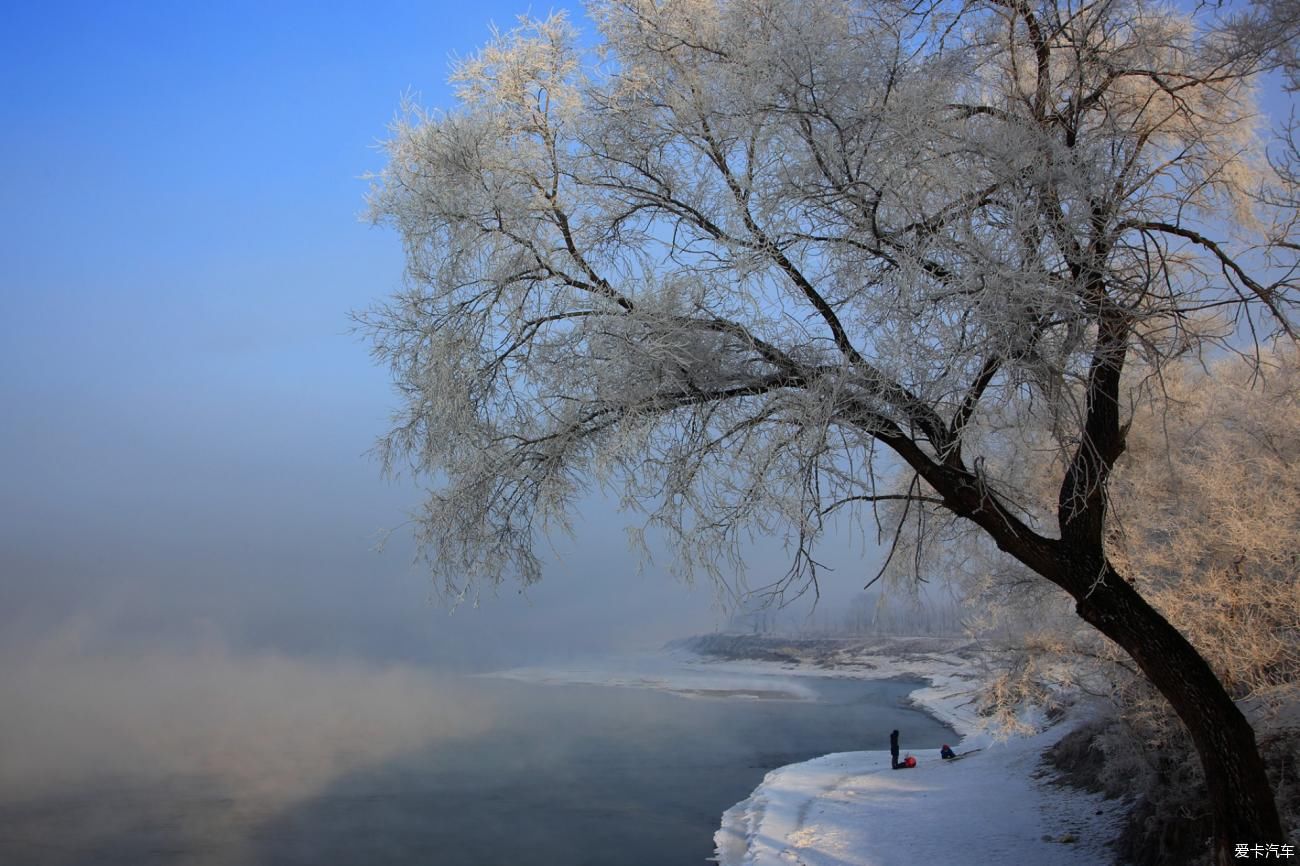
[{"x": 267, "y": 729}]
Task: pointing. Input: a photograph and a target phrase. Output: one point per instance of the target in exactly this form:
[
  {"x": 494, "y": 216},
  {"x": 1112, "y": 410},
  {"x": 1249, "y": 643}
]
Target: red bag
[{"x": 909, "y": 761}]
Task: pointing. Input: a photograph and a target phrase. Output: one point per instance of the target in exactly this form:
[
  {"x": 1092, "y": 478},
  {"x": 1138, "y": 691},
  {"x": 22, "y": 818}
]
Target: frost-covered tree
[
  {"x": 750, "y": 253},
  {"x": 1207, "y": 524},
  {"x": 1207, "y": 520}
]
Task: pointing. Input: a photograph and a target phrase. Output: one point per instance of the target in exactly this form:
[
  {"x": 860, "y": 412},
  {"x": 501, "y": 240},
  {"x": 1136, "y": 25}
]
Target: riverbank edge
[{"x": 954, "y": 672}]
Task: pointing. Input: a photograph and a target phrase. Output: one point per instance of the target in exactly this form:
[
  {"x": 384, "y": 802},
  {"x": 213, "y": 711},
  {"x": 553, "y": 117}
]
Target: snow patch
[{"x": 678, "y": 673}]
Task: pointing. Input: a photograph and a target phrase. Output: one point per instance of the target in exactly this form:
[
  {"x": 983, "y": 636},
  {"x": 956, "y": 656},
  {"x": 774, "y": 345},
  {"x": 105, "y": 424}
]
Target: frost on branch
[{"x": 742, "y": 251}]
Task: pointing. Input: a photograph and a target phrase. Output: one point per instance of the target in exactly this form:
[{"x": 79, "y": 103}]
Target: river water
[{"x": 555, "y": 775}]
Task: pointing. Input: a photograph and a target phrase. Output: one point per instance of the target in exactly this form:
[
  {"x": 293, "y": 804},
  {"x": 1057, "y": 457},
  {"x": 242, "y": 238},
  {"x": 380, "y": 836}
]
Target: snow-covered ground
[{"x": 996, "y": 805}]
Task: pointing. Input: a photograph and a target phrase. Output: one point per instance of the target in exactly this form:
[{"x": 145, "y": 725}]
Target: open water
[{"x": 558, "y": 775}]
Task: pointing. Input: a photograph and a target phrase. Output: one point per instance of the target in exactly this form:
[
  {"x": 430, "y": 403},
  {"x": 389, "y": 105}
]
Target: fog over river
[{"x": 221, "y": 759}]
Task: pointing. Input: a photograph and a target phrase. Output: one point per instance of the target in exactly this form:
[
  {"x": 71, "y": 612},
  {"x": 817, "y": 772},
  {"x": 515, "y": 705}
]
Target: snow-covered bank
[
  {"x": 851, "y": 810},
  {"x": 994, "y": 806}
]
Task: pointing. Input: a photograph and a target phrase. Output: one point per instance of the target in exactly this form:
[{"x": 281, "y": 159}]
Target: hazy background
[
  {"x": 185, "y": 413},
  {"x": 188, "y": 580}
]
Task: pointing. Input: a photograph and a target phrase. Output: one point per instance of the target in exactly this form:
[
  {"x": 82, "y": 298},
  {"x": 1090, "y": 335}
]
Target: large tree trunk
[{"x": 1241, "y": 799}]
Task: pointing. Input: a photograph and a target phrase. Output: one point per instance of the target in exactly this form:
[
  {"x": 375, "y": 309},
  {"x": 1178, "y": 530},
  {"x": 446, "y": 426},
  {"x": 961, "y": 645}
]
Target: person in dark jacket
[
  {"x": 946, "y": 752},
  {"x": 893, "y": 750}
]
